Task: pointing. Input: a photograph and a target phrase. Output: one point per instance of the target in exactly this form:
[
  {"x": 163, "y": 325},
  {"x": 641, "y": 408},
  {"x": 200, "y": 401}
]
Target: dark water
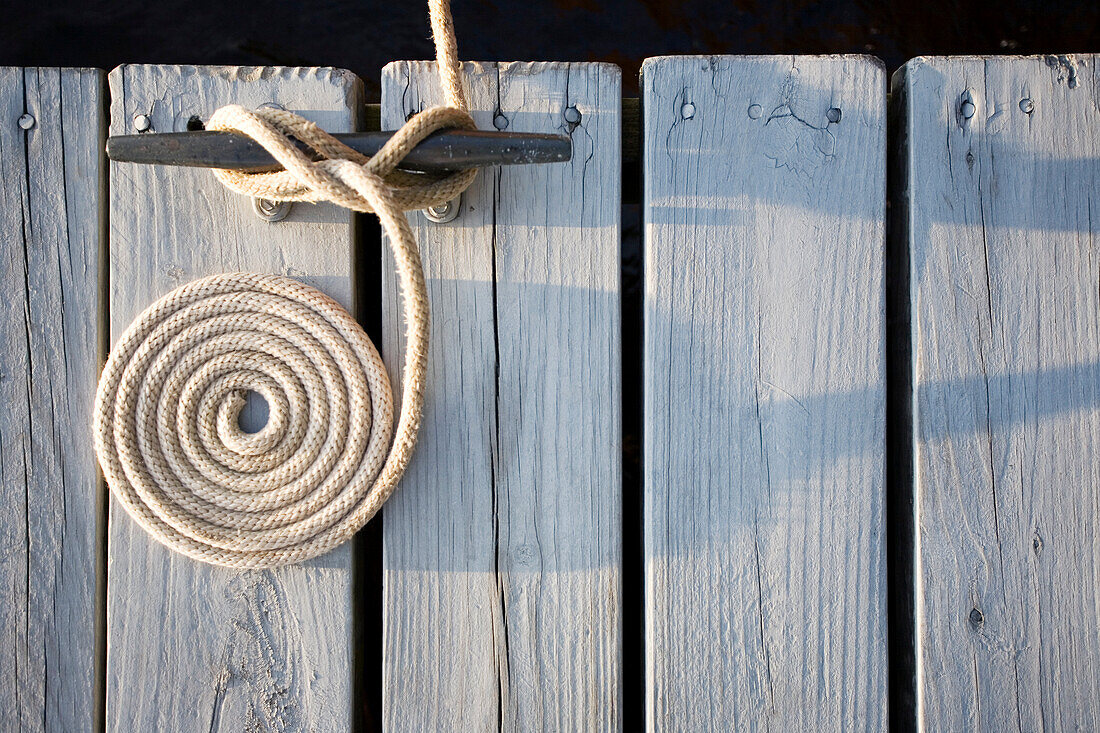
[{"x": 363, "y": 36}]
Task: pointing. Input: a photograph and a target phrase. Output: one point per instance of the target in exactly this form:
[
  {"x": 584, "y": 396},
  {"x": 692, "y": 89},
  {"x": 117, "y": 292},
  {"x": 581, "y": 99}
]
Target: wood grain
[
  {"x": 51, "y": 232},
  {"x": 764, "y": 393},
  {"x": 191, "y": 645},
  {"x": 502, "y": 546},
  {"x": 1002, "y": 217}
]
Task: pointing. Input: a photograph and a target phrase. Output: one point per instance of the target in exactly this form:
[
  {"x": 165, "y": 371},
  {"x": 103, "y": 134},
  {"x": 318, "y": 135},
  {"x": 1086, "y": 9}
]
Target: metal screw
[
  {"x": 834, "y": 114},
  {"x": 687, "y": 111},
  {"x": 966, "y": 109},
  {"x": 142, "y": 123},
  {"x": 445, "y": 212},
  {"x": 271, "y": 211},
  {"x": 755, "y": 110},
  {"x": 26, "y": 121},
  {"x": 572, "y": 115},
  {"x": 1027, "y": 106},
  {"x": 500, "y": 122}
]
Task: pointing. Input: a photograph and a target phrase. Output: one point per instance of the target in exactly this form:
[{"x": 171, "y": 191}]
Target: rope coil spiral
[
  {"x": 172, "y": 393},
  {"x": 166, "y": 430}
]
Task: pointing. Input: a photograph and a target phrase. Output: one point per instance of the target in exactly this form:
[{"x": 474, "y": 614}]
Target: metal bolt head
[
  {"x": 755, "y": 111},
  {"x": 1027, "y": 106},
  {"x": 500, "y": 122},
  {"x": 26, "y": 121},
  {"x": 572, "y": 115},
  {"x": 443, "y": 213},
  {"x": 834, "y": 114},
  {"x": 271, "y": 211},
  {"x": 687, "y": 111},
  {"x": 142, "y": 123},
  {"x": 966, "y": 109}
]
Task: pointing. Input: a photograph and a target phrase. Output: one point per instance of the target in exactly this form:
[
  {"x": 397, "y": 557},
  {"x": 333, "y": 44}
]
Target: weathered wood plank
[
  {"x": 52, "y": 203},
  {"x": 1001, "y": 188},
  {"x": 502, "y": 547},
  {"x": 764, "y": 391},
  {"x": 190, "y": 645}
]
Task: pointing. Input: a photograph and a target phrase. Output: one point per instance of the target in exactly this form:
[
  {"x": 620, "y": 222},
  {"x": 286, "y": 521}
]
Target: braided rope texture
[
  {"x": 166, "y": 430},
  {"x": 168, "y": 403}
]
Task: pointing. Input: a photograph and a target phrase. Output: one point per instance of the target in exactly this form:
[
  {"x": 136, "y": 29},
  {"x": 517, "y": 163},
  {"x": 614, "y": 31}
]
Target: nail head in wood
[
  {"x": 977, "y": 619},
  {"x": 142, "y": 123},
  {"x": 755, "y": 111},
  {"x": 26, "y": 121}
]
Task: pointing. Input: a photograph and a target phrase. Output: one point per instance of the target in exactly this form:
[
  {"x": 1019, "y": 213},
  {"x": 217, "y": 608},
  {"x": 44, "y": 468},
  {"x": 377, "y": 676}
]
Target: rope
[{"x": 166, "y": 430}]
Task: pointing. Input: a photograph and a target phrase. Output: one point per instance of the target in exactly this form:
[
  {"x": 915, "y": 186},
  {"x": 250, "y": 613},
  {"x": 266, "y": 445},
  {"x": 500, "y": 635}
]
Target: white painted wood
[
  {"x": 191, "y": 645},
  {"x": 51, "y": 220},
  {"x": 764, "y": 390},
  {"x": 502, "y": 546},
  {"x": 1002, "y": 221}
]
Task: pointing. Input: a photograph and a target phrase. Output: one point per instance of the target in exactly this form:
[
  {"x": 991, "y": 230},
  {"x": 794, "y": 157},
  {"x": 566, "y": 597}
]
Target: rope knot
[{"x": 326, "y": 176}]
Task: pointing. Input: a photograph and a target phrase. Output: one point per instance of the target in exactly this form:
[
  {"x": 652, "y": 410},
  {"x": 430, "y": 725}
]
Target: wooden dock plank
[
  {"x": 502, "y": 546},
  {"x": 192, "y": 645},
  {"x": 763, "y": 212},
  {"x": 1001, "y": 190},
  {"x": 51, "y": 232}
]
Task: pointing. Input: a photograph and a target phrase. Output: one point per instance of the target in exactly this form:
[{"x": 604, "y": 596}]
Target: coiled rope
[{"x": 166, "y": 430}]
